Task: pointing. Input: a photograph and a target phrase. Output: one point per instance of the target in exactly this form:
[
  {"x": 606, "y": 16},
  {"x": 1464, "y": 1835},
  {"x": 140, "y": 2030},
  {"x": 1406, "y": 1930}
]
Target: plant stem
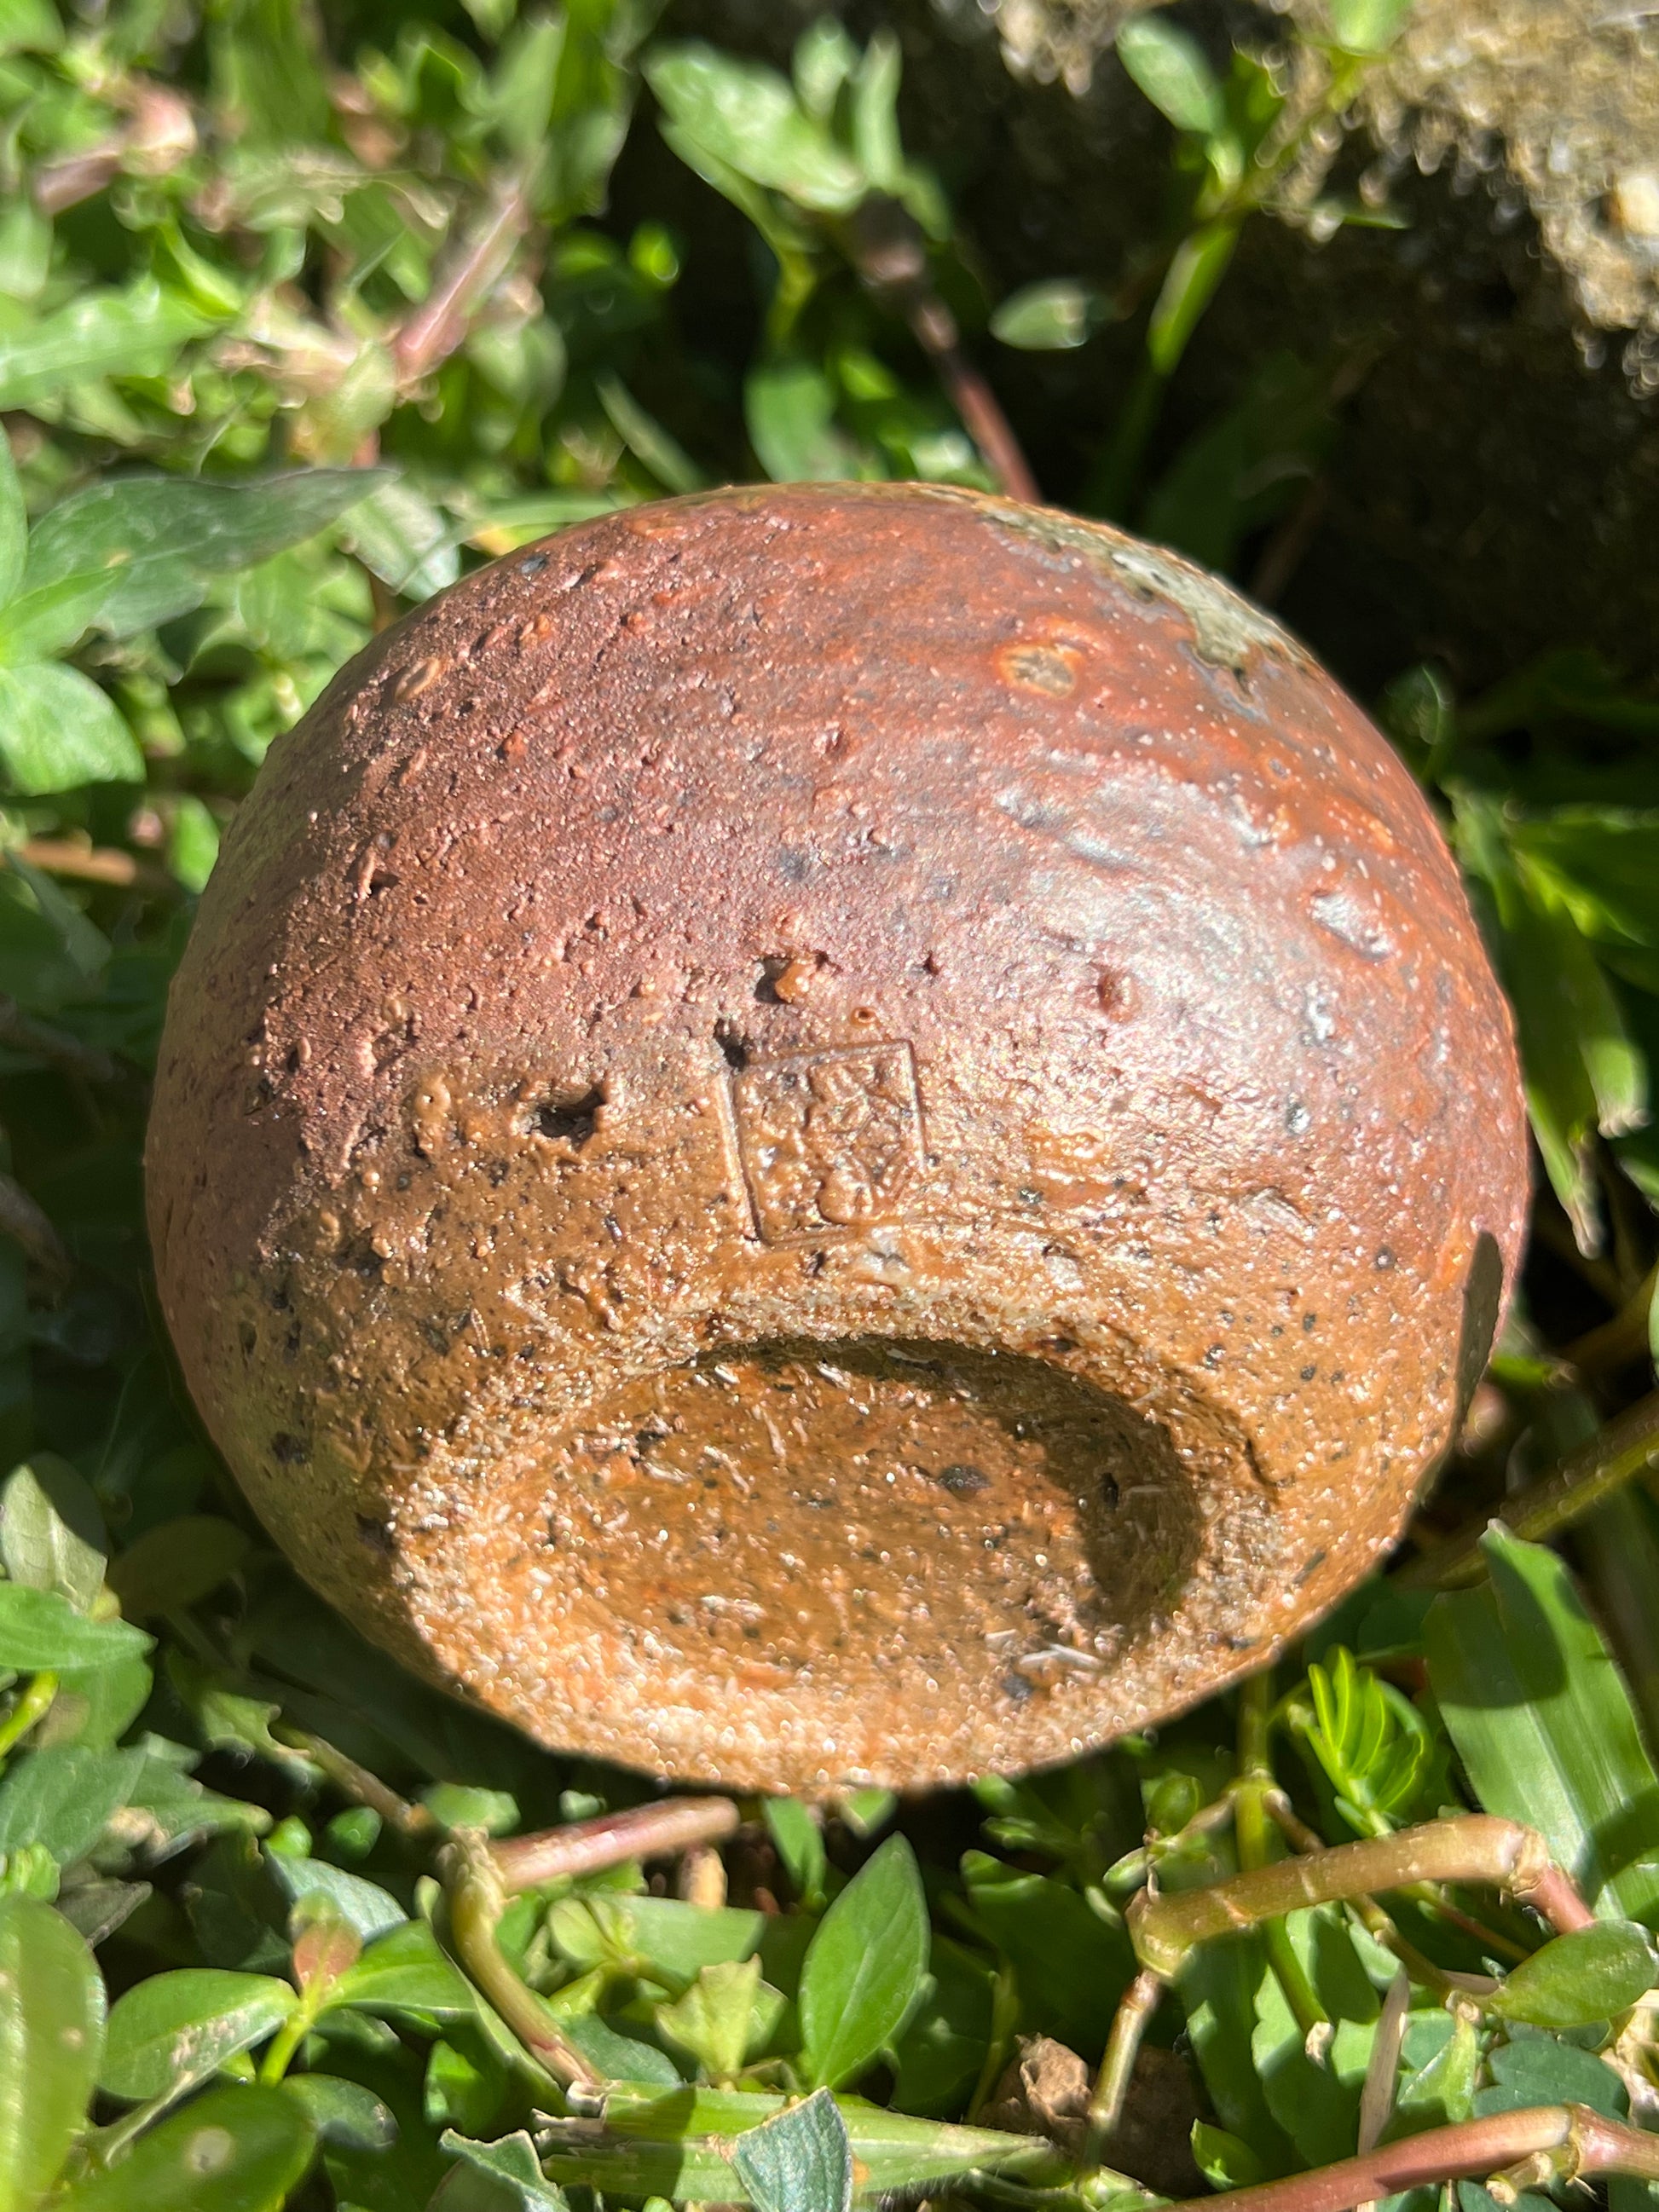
[
  {"x": 1135, "y": 2008},
  {"x": 356, "y": 1782},
  {"x": 1545, "y": 2141},
  {"x": 1626, "y": 1448},
  {"x": 643, "y": 1831},
  {"x": 1256, "y": 1781},
  {"x": 885, "y": 245},
  {"x": 439, "y": 325},
  {"x": 1473, "y": 1847},
  {"x": 478, "y": 1896},
  {"x": 34, "y": 1703}
]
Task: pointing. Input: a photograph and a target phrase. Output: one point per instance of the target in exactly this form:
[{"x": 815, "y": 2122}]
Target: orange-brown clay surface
[{"x": 838, "y": 1133}]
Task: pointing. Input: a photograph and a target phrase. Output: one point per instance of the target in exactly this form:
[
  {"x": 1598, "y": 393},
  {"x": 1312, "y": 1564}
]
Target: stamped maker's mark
[{"x": 829, "y": 1140}]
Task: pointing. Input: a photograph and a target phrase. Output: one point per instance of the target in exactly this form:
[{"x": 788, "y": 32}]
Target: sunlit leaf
[
  {"x": 1544, "y": 1724},
  {"x": 51, "y": 2033},
  {"x": 863, "y": 1972},
  {"x": 58, "y": 731},
  {"x": 176, "y": 2029},
  {"x": 232, "y": 2150},
  {"x": 801, "y": 2162},
  {"x": 1169, "y": 65}
]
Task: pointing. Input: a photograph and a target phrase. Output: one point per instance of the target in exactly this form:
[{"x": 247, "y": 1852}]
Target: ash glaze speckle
[{"x": 771, "y": 1151}]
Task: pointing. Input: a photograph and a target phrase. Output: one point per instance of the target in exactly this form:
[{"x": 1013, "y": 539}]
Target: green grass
[{"x": 254, "y": 1946}]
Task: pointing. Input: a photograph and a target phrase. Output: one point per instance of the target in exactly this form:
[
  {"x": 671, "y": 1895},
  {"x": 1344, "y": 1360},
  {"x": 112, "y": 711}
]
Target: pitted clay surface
[{"x": 834, "y": 1132}]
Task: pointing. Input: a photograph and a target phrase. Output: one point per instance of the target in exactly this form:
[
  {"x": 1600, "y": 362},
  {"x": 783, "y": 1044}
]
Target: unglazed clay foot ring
[{"x": 838, "y": 1133}]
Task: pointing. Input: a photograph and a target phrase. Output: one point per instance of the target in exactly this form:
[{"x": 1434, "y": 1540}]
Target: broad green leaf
[
  {"x": 1223, "y": 2160},
  {"x": 875, "y": 114},
  {"x": 52, "y": 2035},
  {"x": 864, "y": 1972},
  {"x": 941, "y": 2052},
  {"x": 746, "y": 116},
  {"x": 14, "y": 525},
  {"x": 41, "y": 1629},
  {"x": 404, "y": 1971},
  {"x": 801, "y": 2162},
  {"x": 1440, "y": 2092},
  {"x": 1591, "y": 1974},
  {"x": 64, "y": 1797},
  {"x": 505, "y": 2176},
  {"x": 96, "y": 1705},
  {"x": 174, "y": 2030},
  {"x": 1317, "y": 2103},
  {"x": 367, "y": 1908},
  {"x": 799, "y": 1841},
  {"x": 1368, "y": 26},
  {"x": 679, "y": 2146},
  {"x": 1220, "y": 1987},
  {"x": 49, "y": 951},
  {"x": 343, "y": 2112},
  {"x": 1168, "y": 66},
  {"x": 396, "y": 532},
  {"x": 137, "y": 332},
  {"x": 789, "y": 406},
  {"x": 823, "y": 61},
  {"x": 58, "y": 731},
  {"x": 175, "y": 1563},
  {"x": 51, "y": 618},
  {"x": 51, "y": 1533},
  {"x": 618, "y": 2057},
  {"x": 728, "y": 2016},
  {"x": 30, "y": 26},
  {"x": 167, "y": 1808},
  {"x": 1543, "y": 1723},
  {"x": 232, "y": 2150},
  {"x": 168, "y": 537},
  {"x": 1070, "y": 1966},
  {"x": 1049, "y": 316},
  {"x": 1533, "y": 2069},
  {"x": 1200, "y": 263}
]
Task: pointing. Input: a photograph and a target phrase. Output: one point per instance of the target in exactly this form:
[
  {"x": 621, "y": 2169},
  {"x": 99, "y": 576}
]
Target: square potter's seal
[{"x": 829, "y": 1140}]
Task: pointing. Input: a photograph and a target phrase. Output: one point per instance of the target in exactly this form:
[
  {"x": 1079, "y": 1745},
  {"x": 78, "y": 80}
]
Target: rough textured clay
[{"x": 834, "y": 1133}]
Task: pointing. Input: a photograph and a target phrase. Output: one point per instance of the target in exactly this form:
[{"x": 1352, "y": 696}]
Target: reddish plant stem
[
  {"x": 1474, "y": 1847},
  {"x": 643, "y": 1831},
  {"x": 439, "y": 325},
  {"x": 1565, "y": 2142},
  {"x": 885, "y": 245},
  {"x": 1626, "y": 1449}
]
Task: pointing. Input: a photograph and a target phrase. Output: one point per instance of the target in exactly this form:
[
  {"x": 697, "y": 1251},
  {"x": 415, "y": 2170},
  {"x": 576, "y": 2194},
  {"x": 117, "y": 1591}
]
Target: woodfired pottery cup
[{"x": 834, "y": 1134}]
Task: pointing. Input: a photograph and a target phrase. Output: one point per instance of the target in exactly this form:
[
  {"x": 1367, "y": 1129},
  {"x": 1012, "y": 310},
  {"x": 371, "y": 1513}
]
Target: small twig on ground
[
  {"x": 673, "y": 1824},
  {"x": 1509, "y": 2151},
  {"x": 1627, "y": 1448},
  {"x": 891, "y": 254}
]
